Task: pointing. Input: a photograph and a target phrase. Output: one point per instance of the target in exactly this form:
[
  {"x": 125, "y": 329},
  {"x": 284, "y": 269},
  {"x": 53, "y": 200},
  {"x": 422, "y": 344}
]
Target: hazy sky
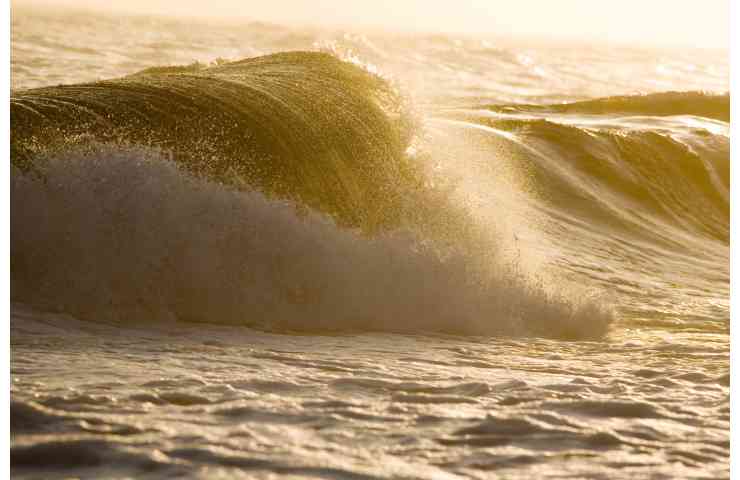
[{"x": 702, "y": 23}]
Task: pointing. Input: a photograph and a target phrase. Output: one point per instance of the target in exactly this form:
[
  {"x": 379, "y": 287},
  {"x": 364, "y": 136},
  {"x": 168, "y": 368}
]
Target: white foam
[{"x": 123, "y": 235}]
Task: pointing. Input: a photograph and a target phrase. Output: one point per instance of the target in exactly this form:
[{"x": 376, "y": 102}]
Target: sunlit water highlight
[{"x": 517, "y": 288}]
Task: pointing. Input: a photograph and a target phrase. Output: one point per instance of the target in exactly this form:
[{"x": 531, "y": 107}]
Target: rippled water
[
  {"x": 105, "y": 402},
  {"x": 594, "y": 307}
]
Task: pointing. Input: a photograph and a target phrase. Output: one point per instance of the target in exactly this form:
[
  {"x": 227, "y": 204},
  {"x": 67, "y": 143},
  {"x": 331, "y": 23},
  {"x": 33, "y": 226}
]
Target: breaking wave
[{"x": 298, "y": 192}]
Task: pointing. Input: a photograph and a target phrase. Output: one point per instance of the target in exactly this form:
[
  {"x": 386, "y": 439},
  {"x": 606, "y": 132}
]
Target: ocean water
[{"x": 245, "y": 250}]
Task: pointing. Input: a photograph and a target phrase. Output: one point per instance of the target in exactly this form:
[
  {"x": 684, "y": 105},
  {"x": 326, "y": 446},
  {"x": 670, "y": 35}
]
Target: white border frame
[{"x": 5, "y": 236}]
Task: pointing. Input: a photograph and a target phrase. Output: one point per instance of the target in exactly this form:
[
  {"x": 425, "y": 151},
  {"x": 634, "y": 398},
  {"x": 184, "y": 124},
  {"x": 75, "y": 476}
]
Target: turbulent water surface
[{"x": 247, "y": 250}]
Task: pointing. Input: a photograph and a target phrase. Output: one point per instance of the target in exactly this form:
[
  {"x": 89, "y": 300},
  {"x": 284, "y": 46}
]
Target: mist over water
[{"x": 245, "y": 250}]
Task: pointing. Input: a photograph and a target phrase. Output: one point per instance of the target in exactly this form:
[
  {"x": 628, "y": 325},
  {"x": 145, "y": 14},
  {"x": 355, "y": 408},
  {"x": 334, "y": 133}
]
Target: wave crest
[
  {"x": 702, "y": 104},
  {"x": 300, "y": 125}
]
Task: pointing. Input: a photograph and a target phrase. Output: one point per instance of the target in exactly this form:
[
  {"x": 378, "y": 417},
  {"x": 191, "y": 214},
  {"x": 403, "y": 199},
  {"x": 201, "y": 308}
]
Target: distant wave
[
  {"x": 701, "y": 104},
  {"x": 644, "y": 179},
  {"x": 626, "y": 202}
]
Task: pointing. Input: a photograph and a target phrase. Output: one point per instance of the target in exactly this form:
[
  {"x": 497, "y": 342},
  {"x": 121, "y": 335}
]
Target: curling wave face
[{"x": 303, "y": 125}]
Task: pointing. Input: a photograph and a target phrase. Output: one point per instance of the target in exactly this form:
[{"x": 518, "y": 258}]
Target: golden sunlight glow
[
  {"x": 685, "y": 23},
  {"x": 369, "y": 239}
]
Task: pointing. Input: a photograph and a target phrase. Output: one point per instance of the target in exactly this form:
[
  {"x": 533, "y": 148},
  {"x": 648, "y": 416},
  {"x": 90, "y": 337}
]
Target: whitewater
[{"x": 244, "y": 250}]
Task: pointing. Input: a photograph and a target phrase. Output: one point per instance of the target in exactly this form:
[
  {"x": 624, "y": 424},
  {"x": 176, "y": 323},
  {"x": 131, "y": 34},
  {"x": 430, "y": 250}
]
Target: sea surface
[{"x": 246, "y": 250}]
